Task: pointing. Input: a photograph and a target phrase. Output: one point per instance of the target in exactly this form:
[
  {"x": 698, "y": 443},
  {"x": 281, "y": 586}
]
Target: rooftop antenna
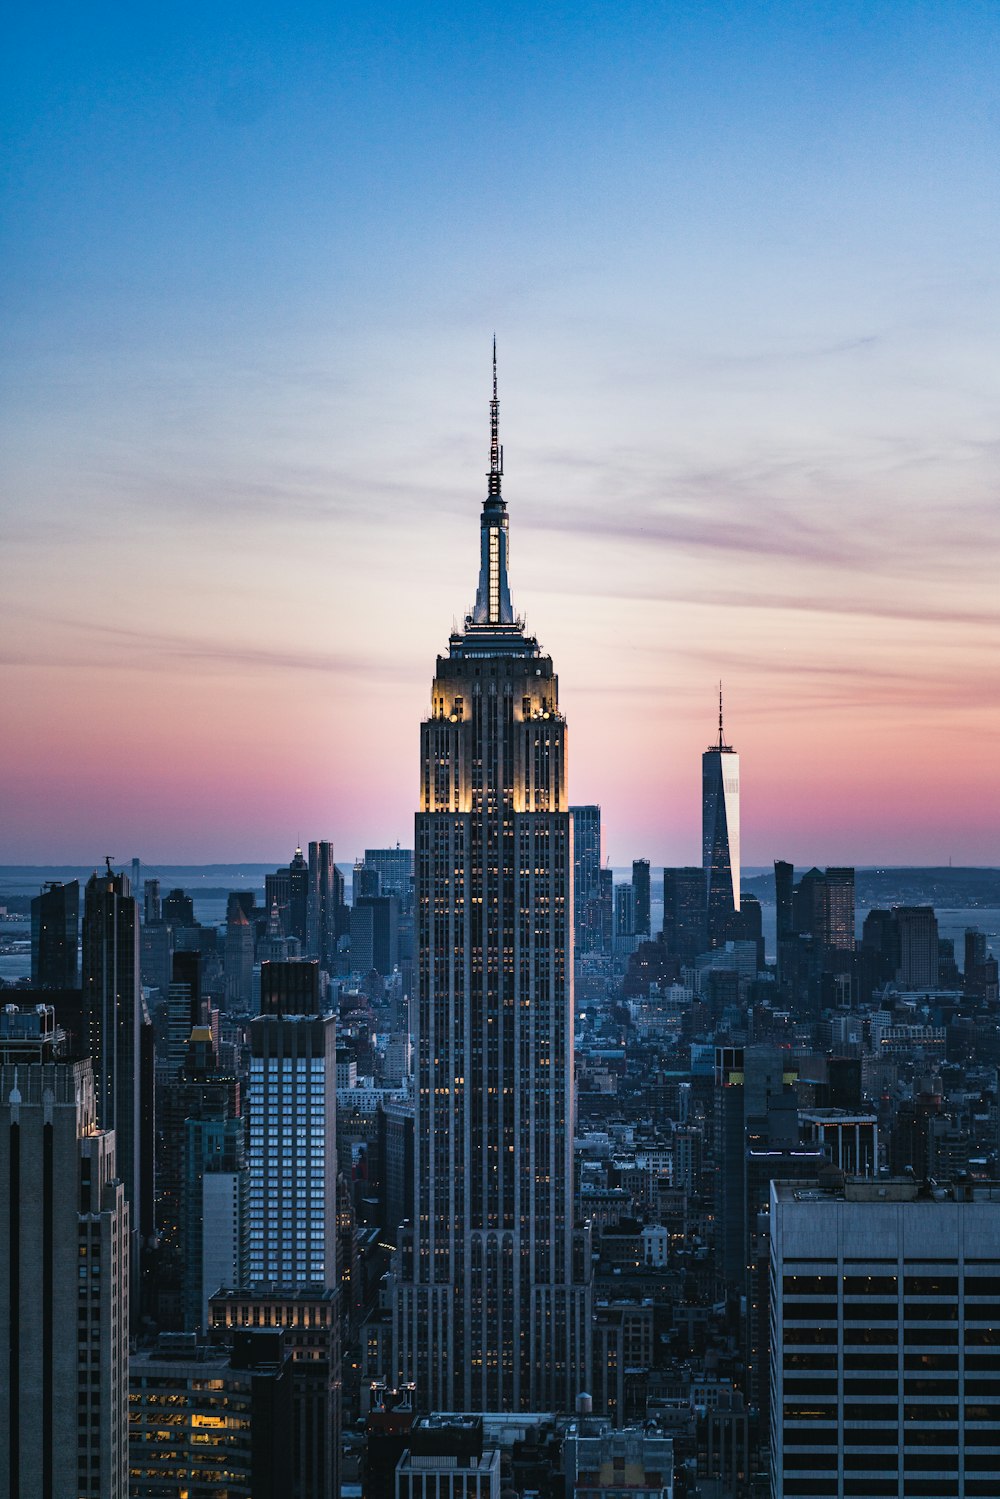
[
  {"x": 721, "y": 740},
  {"x": 496, "y": 451}
]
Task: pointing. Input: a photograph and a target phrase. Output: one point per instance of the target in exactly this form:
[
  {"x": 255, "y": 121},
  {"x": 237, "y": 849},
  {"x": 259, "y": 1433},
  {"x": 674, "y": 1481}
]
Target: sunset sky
[{"x": 743, "y": 265}]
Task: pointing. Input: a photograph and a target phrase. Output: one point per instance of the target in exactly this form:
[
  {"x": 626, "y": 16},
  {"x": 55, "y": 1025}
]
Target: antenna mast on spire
[
  {"x": 496, "y": 451},
  {"x": 722, "y": 743}
]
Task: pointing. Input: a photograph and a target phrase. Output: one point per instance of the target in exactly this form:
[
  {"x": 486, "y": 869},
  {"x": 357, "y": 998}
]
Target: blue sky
[{"x": 742, "y": 265}]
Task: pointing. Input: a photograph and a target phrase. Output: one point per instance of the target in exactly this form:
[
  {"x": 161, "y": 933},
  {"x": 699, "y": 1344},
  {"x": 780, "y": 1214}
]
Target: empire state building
[{"x": 492, "y": 1302}]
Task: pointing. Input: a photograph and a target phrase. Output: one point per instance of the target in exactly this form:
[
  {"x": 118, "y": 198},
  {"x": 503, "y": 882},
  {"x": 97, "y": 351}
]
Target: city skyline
[{"x": 741, "y": 270}]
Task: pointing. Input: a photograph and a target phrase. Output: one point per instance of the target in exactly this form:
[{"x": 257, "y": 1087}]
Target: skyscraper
[
  {"x": 640, "y": 897},
  {"x": 325, "y": 898},
  {"x": 720, "y": 833},
  {"x": 884, "y": 1329},
  {"x": 684, "y": 912},
  {"x": 111, "y": 995},
  {"x": 64, "y": 1277},
  {"x": 55, "y": 926},
  {"x": 587, "y": 924},
  {"x": 489, "y": 1314},
  {"x": 293, "y": 1149}
]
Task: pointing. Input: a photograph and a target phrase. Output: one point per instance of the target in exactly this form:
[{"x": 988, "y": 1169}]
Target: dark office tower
[
  {"x": 488, "y": 1315},
  {"x": 147, "y": 1126},
  {"x": 289, "y": 988},
  {"x": 624, "y": 911},
  {"x": 239, "y": 958},
  {"x": 183, "y": 1007},
  {"x": 975, "y": 948},
  {"x": 152, "y": 907},
  {"x": 298, "y": 897},
  {"x": 377, "y": 918},
  {"x": 747, "y": 925},
  {"x": 111, "y": 993},
  {"x": 640, "y": 897},
  {"x": 277, "y": 894},
  {"x": 823, "y": 908},
  {"x": 607, "y": 912},
  {"x": 980, "y": 973},
  {"x": 749, "y": 1084},
  {"x": 55, "y": 922},
  {"x": 64, "y": 1286},
  {"x": 201, "y": 1091},
  {"x": 586, "y": 878},
  {"x": 784, "y": 886},
  {"x": 720, "y": 834},
  {"x": 364, "y": 882},
  {"x": 178, "y": 909},
  {"x": 684, "y": 912},
  {"x": 918, "y": 947},
  {"x": 321, "y": 934}
]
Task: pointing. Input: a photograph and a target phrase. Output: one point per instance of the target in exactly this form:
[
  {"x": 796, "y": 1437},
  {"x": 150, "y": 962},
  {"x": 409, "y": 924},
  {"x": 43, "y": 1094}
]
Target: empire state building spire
[{"x": 493, "y": 606}]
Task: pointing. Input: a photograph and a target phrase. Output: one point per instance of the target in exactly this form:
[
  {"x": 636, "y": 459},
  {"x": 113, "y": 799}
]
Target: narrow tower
[
  {"x": 720, "y": 833},
  {"x": 488, "y": 1312}
]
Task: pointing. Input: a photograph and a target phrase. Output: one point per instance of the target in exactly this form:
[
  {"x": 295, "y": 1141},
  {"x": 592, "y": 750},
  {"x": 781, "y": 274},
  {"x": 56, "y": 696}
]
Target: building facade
[
  {"x": 64, "y": 1286},
  {"x": 884, "y": 1340},
  {"x": 292, "y": 1101},
  {"x": 588, "y": 926},
  {"x": 55, "y": 937},
  {"x": 111, "y": 1018},
  {"x": 489, "y": 1312}
]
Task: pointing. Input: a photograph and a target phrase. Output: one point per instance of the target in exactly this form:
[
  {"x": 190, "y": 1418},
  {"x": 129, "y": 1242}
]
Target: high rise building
[
  {"x": 292, "y": 1102},
  {"x": 491, "y": 1313},
  {"x": 587, "y": 923},
  {"x": 200, "y": 1092},
  {"x": 111, "y": 994},
  {"x": 684, "y": 912},
  {"x": 298, "y": 896},
  {"x": 183, "y": 1009},
  {"x": 980, "y": 978},
  {"x": 324, "y": 903},
  {"x": 364, "y": 882},
  {"x": 823, "y": 908},
  {"x": 884, "y": 1339},
  {"x": 720, "y": 834},
  {"x": 55, "y": 937},
  {"x": 918, "y": 947},
  {"x": 640, "y": 897},
  {"x": 394, "y": 867},
  {"x": 64, "y": 1279},
  {"x": 607, "y": 908},
  {"x": 624, "y": 912},
  {"x": 309, "y": 1316},
  {"x": 290, "y": 988},
  {"x": 152, "y": 906},
  {"x": 375, "y": 934},
  {"x": 178, "y": 909},
  {"x": 211, "y": 1421},
  {"x": 239, "y": 955}
]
